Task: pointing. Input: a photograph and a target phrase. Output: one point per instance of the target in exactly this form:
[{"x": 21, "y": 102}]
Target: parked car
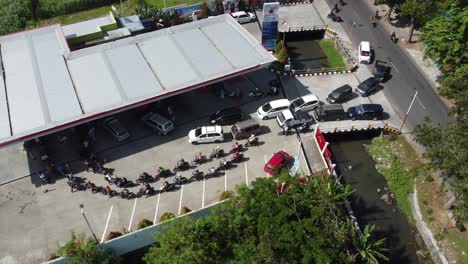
[
  {"x": 245, "y": 128},
  {"x": 272, "y": 109},
  {"x": 340, "y": 94},
  {"x": 116, "y": 129},
  {"x": 206, "y": 134},
  {"x": 305, "y": 103},
  {"x": 227, "y": 116},
  {"x": 332, "y": 112},
  {"x": 279, "y": 160},
  {"x": 364, "y": 52},
  {"x": 381, "y": 70},
  {"x": 368, "y": 86},
  {"x": 366, "y": 112},
  {"x": 158, "y": 123},
  {"x": 288, "y": 118},
  {"x": 243, "y": 17}
]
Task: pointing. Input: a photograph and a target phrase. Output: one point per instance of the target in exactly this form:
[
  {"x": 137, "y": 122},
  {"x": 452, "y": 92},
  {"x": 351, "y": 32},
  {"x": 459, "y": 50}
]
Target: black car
[
  {"x": 368, "y": 86},
  {"x": 381, "y": 70},
  {"x": 366, "y": 112},
  {"x": 226, "y": 116},
  {"x": 340, "y": 94}
]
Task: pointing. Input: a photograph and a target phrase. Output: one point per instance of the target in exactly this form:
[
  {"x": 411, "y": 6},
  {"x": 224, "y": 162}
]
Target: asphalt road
[{"x": 406, "y": 76}]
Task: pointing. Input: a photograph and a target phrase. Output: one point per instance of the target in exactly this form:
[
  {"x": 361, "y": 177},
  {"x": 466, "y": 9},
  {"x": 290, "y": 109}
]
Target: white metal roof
[{"x": 45, "y": 87}]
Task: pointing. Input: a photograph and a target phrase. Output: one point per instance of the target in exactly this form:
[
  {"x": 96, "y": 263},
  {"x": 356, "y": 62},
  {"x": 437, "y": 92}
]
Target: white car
[
  {"x": 206, "y": 134},
  {"x": 272, "y": 109},
  {"x": 243, "y": 17},
  {"x": 114, "y": 127},
  {"x": 364, "y": 52},
  {"x": 305, "y": 103}
]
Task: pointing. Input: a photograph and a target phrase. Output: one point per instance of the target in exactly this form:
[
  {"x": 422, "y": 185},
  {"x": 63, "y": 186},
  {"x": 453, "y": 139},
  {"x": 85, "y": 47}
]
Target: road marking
[
  {"x": 268, "y": 175},
  {"x": 246, "y": 176},
  {"x": 180, "y": 200},
  {"x": 225, "y": 181},
  {"x": 133, "y": 212},
  {"x": 107, "y": 223},
  {"x": 417, "y": 98},
  {"x": 203, "y": 195},
  {"x": 157, "y": 209},
  {"x": 394, "y": 66}
]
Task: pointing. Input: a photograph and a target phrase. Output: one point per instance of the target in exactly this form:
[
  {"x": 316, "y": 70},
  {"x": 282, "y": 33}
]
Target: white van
[
  {"x": 272, "y": 109},
  {"x": 364, "y": 52}
]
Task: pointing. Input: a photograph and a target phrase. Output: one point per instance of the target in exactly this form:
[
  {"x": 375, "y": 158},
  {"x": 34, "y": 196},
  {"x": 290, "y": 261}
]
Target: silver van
[
  {"x": 245, "y": 128},
  {"x": 158, "y": 123}
]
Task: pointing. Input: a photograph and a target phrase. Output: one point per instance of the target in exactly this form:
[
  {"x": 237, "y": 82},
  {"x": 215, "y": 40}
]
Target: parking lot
[{"x": 40, "y": 216}]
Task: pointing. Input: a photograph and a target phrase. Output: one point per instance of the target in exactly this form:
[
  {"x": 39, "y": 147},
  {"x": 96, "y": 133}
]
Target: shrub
[
  {"x": 52, "y": 8},
  {"x": 282, "y": 56},
  {"x": 52, "y": 256},
  {"x": 113, "y": 235},
  {"x": 185, "y": 210},
  {"x": 205, "y": 10},
  {"x": 166, "y": 216},
  {"x": 219, "y": 7},
  {"x": 226, "y": 195},
  {"x": 13, "y": 15},
  {"x": 144, "y": 223}
]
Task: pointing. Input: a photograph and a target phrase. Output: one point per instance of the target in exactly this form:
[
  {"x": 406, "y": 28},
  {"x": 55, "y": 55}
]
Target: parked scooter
[
  {"x": 181, "y": 165},
  {"x": 237, "y": 157},
  {"x": 197, "y": 175},
  {"x": 179, "y": 179},
  {"x": 251, "y": 141},
  {"x": 199, "y": 159},
  {"x": 217, "y": 153},
  {"x": 256, "y": 93},
  {"x": 167, "y": 187},
  {"x": 125, "y": 194},
  {"x": 145, "y": 178}
]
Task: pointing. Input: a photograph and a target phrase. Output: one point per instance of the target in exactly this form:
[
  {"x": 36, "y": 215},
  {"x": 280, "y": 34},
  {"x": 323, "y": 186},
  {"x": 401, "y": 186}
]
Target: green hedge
[{"x": 53, "y": 8}]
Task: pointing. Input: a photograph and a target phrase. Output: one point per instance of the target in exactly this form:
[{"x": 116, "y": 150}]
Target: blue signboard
[{"x": 270, "y": 25}]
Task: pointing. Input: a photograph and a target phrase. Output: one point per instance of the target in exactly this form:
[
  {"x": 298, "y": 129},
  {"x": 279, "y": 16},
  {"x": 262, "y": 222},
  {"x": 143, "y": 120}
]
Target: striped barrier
[
  {"x": 392, "y": 130},
  {"x": 296, "y": 3}
]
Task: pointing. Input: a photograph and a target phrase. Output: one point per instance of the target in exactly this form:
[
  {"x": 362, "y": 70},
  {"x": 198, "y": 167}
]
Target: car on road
[
  {"x": 381, "y": 70},
  {"x": 272, "y": 109},
  {"x": 365, "y": 112},
  {"x": 291, "y": 119},
  {"x": 158, "y": 123},
  {"x": 243, "y": 17},
  {"x": 206, "y": 134},
  {"x": 227, "y": 116},
  {"x": 340, "y": 94},
  {"x": 116, "y": 129},
  {"x": 279, "y": 160},
  {"x": 368, "y": 86},
  {"x": 305, "y": 103},
  {"x": 364, "y": 52}
]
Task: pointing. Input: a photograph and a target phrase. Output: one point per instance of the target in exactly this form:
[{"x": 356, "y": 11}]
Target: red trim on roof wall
[{"x": 122, "y": 108}]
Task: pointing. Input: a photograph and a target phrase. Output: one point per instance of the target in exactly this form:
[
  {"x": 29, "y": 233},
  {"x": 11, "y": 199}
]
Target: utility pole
[
  {"x": 86, "y": 219},
  {"x": 409, "y": 109}
]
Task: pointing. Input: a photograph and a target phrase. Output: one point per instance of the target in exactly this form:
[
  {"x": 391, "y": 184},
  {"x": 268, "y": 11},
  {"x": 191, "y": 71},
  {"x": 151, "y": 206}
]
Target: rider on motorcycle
[
  {"x": 393, "y": 35},
  {"x": 181, "y": 162},
  {"x": 237, "y": 156},
  {"x": 108, "y": 189},
  {"x": 252, "y": 138}
]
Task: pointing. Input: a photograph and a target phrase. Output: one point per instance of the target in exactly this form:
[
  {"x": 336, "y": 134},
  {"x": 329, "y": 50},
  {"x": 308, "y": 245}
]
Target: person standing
[{"x": 92, "y": 134}]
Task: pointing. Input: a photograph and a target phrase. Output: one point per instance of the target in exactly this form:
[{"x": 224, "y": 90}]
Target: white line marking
[
  {"x": 203, "y": 196},
  {"x": 246, "y": 176},
  {"x": 420, "y": 103},
  {"x": 225, "y": 181},
  {"x": 268, "y": 175},
  {"x": 157, "y": 209},
  {"x": 107, "y": 223},
  {"x": 133, "y": 212},
  {"x": 180, "y": 200},
  {"x": 394, "y": 66}
]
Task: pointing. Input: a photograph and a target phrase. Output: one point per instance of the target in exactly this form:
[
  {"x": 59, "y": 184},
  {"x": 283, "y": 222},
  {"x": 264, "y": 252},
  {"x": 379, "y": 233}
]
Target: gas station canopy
[{"x": 45, "y": 87}]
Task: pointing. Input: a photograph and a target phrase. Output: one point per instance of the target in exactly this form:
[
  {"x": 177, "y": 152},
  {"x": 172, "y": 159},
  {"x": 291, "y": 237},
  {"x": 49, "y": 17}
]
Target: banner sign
[{"x": 270, "y": 25}]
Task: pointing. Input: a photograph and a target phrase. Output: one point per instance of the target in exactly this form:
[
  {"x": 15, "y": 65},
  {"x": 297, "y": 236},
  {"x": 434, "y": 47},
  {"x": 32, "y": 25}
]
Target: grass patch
[
  {"x": 334, "y": 58},
  {"x": 390, "y": 155}
]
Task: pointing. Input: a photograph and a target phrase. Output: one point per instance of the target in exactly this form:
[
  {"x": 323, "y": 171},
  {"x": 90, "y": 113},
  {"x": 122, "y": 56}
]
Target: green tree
[
  {"x": 304, "y": 224},
  {"x": 282, "y": 56},
  {"x": 418, "y": 11},
  {"x": 13, "y": 16},
  {"x": 454, "y": 86},
  {"x": 219, "y": 7},
  {"x": 82, "y": 250},
  {"x": 392, "y": 4},
  {"x": 445, "y": 37},
  {"x": 205, "y": 10},
  {"x": 447, "y": 149}
]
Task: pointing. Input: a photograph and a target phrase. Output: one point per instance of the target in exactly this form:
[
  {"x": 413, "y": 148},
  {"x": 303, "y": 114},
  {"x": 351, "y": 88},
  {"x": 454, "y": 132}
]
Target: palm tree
[{"x": 369, "y": 250}]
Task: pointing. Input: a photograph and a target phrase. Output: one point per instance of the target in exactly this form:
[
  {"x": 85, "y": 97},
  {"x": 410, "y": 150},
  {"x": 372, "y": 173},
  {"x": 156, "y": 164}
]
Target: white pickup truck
[{"x": 290, "y": 119}]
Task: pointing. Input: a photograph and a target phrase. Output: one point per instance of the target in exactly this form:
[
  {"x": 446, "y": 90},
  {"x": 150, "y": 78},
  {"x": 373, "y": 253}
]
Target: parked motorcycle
[
  {"x": 197, "y": 175},
  {"x": 144, "y": 178},
  {"x": 253, "y": 142},
  {"x": 256, "y": 93},
  {"x": 146, "y": 190},
  {"x": 217, "y": 153},
  {"x": 127, "y": 195},
  {"x": 237, "y": 157},
  {"x": 212, "y": 172},
  {"x": 224, "y": 165},
  {"x": 179, "y": 179},
  {"x": 167, "y": 187},
  {"x": 237, "y": 148},
  {"x": 199, "y": 159},
  {"x": 162, "y": 173},
  {"x": 181, "y": 165}
]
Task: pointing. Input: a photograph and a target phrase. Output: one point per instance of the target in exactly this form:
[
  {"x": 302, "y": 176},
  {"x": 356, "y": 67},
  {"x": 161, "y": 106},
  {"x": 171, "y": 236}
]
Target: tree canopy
[
  {"x": 305, "y": 224},
  {"x": 13, "y": 15},
  {"x": 82, "y": 250}
]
